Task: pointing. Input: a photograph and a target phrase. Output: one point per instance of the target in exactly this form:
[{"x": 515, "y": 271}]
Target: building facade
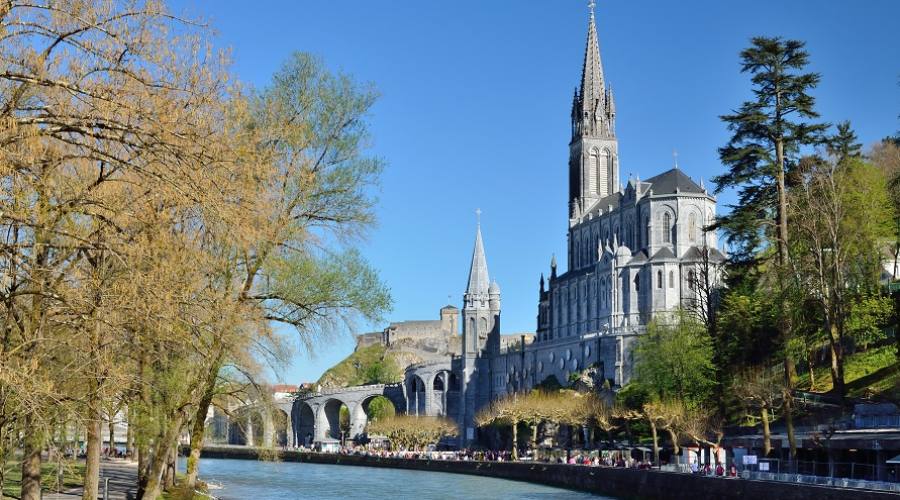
[{"x": 634, "y": 252}]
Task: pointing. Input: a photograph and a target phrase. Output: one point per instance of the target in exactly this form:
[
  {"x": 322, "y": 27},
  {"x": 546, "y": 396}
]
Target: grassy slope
[
  {"x": 875, "y": 372},
  {"x": 73, "y": 476},
  {"x": 345, "y": 373}
]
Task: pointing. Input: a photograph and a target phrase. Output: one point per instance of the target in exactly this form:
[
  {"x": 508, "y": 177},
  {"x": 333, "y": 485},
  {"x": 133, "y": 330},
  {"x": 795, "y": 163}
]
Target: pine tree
[
  {"x": 768, "y": 134},
  {"x": 843, "y": 144}
]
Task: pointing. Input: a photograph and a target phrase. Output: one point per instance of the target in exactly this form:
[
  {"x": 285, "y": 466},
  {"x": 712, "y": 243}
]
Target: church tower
[
  {"x": 481, "y": 339},
  {"x": 593, "y": 150}
]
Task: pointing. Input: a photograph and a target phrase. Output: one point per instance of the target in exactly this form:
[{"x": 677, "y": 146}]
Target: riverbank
[{"x": 620, "y": 483}]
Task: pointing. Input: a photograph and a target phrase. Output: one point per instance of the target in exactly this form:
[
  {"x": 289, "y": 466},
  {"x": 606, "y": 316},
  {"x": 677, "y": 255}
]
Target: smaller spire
[
  {"x": 615, "y": 241},
  {"x": 675, "y": 157},
  {"x": 542, "y": 282},
  {"x": 553, "y": 266},
  {"x": 701, "y": 184}
]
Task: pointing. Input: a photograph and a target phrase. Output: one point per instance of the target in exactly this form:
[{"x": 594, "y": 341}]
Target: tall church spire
[
  {"x": 592, "y": 71},
  {"x": 479, "y": 281},
  {"x": 593, "y": 150}
]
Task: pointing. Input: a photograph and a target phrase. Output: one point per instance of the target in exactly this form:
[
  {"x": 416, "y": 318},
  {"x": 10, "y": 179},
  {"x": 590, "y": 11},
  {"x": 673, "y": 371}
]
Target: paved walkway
[{"x": 122, "y": 482}]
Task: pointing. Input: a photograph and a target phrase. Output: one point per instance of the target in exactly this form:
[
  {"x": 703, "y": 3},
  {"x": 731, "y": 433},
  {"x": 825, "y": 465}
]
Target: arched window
[
  {"x": 482, "y": 323},
  {"x": 659, "y": 279},
  {"x": 637, "y": 282},
  {"x": 594, "y": 172},
  {"x": 692, "y": 228},
  {"x": 691, "y": 279},
  {"x": 667, "y": 228},
  {"x": 671, "y": 279},
  {"x": 603, "y": 174}
]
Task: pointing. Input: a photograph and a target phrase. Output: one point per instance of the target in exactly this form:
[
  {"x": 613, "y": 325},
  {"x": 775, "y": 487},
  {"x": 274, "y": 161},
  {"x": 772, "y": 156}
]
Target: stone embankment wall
[{"x": 619, "y": 483}]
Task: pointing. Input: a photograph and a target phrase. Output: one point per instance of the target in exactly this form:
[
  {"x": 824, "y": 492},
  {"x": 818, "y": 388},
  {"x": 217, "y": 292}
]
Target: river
[{"x": 255, "y": 480}]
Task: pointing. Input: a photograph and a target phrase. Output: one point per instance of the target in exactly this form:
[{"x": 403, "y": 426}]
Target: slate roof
[
  {"x": 604, "y": 203},
  {"x": 638, "y": 258},
  {"x": 693, "y": 253},
  {"x": 670, "y": 180},
  {"x": 664, "y": 253}
]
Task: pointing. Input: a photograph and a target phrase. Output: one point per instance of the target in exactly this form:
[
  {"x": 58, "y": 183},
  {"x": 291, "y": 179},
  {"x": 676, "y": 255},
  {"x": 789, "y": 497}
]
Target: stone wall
[{"x": 620, "y": 483}]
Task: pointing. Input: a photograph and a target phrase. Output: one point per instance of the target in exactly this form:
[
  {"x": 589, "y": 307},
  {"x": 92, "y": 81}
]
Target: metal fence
[
  {"x": 822, "y": 481},
  {"x": 837, "y": 474}
]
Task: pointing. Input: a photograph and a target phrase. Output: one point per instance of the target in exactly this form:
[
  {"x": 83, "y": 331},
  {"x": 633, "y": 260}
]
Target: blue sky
[{"x": 475, "y": 110}]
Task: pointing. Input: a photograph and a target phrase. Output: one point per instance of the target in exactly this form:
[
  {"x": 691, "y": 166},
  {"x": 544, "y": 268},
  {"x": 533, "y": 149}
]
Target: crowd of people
[{"x": 615, "y": 458}]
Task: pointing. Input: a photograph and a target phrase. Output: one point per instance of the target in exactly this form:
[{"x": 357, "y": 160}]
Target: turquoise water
[{"x": 249, "y": 479}]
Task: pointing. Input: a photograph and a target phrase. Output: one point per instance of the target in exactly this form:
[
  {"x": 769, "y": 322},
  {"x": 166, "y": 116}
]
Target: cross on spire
[
  {"x": 675, "y": 157},
  {"x": 478, "y": 215},
  {"x": 591, "y": 5}
]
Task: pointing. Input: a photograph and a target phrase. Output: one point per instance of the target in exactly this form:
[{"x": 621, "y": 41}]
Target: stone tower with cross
[
  {"x": 480, "y": 339},
  {"x": 593, "y": 149}
]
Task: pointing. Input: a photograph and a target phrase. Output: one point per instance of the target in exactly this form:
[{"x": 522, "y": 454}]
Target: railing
[
  {"x": 877, "y": 421},
  {"x": 822, "y": 481},
  {"x": 807, "y": 475}
]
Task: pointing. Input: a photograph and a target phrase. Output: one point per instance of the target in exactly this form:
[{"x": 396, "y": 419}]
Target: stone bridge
[
  {"x": 316, "y": 416},
  {"x": 254, "y": 424}
]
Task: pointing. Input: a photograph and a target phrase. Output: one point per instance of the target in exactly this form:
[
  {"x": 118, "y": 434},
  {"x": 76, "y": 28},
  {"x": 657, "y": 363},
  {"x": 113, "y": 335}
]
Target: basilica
[{"x": 634, "y": 251}]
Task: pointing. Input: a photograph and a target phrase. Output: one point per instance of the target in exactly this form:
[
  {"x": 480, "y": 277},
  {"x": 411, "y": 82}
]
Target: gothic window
[
  {"x": 594, "y": 173},
  {"x": 659, "y": 279},
  {"x": 603, "y": 177},
  {"x": 671, "y": 279},
  {"x": 690, "y": 279},
  {"x": 637, "y": 283},
  {"x": 692, "y": 228},
  {"x": 667, "y": 228}
]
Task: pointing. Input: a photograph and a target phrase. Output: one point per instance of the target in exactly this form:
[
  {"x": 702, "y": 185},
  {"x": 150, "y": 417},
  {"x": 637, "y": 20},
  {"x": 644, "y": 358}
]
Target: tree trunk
[
  {"x": 171, "y": 464},
  {"x": 93, "y": 440},
  {"x": 788, "y": 410},
  {"x": 129, "y": 435},
  {"x": 151, "y": 487},
  {"x": 810, "y": 361},
  {"x": 767, "y": 434},
  {"x": 199, "y": 428},
  {"x": 534, "y": 435},
  {"x": 837, "y": 360},
  {"x": 675, "y": 448},
  {"x": 655, "y": 443},
  {"x": 515, "y": 441},
  {"x": 31, "y": 462},
  {"x": 783, "y": 259},
  {"x": 112, "y": 436}
]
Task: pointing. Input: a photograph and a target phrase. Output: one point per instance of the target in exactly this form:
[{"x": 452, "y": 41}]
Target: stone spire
[
  {"x": 479, "y": 281},
  {"x": 593, "y": 149},
  {"x": 592, "y": 71}
]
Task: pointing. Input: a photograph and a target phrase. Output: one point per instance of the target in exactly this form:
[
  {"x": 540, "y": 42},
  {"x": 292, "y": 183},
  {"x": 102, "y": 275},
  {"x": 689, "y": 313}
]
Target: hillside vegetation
[
  {"x": 872, "y": 373},
  {"x": 367, "y": 365}
]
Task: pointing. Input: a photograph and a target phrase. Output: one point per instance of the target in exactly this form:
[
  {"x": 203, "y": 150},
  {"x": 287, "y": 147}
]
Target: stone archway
[
  {"x": 417, "y": 395},
  {"x": 306, "y": 424},
  {"x": 281, "y": 427},
  {"x": 333, "y": 427}
]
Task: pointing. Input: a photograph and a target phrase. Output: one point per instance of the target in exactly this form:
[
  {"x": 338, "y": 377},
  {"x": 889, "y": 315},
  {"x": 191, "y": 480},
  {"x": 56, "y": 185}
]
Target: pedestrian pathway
[{"x": 122, "y": 482}]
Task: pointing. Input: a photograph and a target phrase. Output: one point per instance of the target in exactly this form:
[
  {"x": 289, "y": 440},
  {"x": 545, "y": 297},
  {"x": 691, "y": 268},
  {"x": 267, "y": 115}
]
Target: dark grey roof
[
  {"x": 664, "y": 253},
  {"x": 638, "y": 258},
  {"x": 448, "y": 307},
  {"x": 694, "y": 253},
  {"x": 604, "y": 203},
  {"x": 670, "y": 180}
]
